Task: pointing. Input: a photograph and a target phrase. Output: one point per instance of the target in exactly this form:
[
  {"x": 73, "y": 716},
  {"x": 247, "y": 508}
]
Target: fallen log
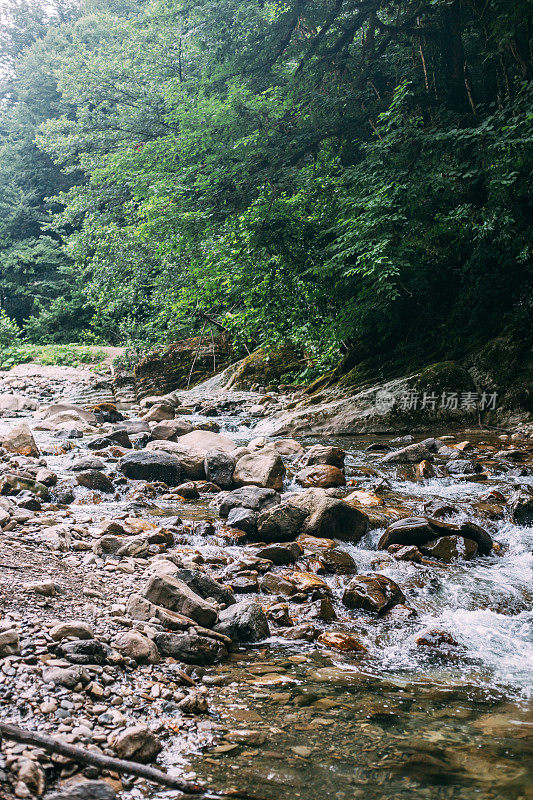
[{"x": 81, "y": 755}]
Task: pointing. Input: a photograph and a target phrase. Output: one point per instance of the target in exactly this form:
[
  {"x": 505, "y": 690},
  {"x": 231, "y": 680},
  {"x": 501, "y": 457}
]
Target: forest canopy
[{"x": 349, "y": 175}]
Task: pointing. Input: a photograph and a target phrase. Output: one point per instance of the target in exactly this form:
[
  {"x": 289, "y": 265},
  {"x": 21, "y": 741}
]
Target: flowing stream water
[{"x": 290, "y": 718}]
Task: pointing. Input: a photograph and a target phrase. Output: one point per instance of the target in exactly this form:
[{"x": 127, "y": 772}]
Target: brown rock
[
  {"x": 342, "y": 641},
  {"x": 137, "y": 743},
  {"x": 375, "y": 593},
  {"x": 171, "y": 593},
  {"x": 20, "y": 440},
  {"x": 323, "y": 476},
  {"x": 258, "y": 469},
  {"x": 138, "y": 647}
]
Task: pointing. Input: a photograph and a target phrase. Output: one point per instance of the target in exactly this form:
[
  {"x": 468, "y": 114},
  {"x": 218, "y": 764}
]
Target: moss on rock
[{"x": 266, "y": 368}]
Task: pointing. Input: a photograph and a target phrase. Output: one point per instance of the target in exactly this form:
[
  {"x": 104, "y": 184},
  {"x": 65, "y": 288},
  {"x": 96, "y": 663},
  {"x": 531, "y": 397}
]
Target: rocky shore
[{"x": 146, "y": 550}]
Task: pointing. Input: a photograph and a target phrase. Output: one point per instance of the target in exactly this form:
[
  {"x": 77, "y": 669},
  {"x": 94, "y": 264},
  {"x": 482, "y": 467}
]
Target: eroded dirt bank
[{"x": 321, "y": 617}]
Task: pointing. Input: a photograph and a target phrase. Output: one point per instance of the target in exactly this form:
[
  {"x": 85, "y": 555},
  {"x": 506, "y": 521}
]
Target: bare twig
[{"x": 81, "y": 755}]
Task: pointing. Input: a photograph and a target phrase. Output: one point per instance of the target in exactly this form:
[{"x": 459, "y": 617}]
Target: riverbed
[{"x": 291, "y": 716}]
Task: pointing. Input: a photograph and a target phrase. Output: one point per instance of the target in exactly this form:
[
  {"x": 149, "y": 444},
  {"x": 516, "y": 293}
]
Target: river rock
[
  {"x": 13, "y": 484},
  {"x": 45, "y": 412},
  {"x": 117, "y": 437},
  {"x": 65, "y": 676},
  {"x": 219, "y": 466},
  {"x": 84, "y": 464},
  {"x": 140, "y": 608},
  {"x": 85, "y": 790},
  {"x": 31, "y": 774},
  {"x": 521, "y": 508},
  {"x": 205, "y": 586},
  {"x": 9, "y": 643},
  {"x": 76, "y": 630},
  {"x": 340, "y": 640},
  {"x": 259, "y": 469},
  {"x": 281, "y": 554},
  {"x": 151, "y": 466},
  {"x": 329, "y": 517},
  {"x": 320, "y": 475},
  {"x": 94, "y": 479},
  {"x": 244, "y": 519},
  {"x": 281, "y": 523},
  {"x": 191, "y": 649},
  {"x": 413, "y": 453},
  {"x": 17, "y": 402},
  {"x": 449, "y": 548},
  {"x": 159, "y": 412},
  {"x": 271, "y": 583},
  {"x": 202, "y": 441},
  {"x": 288, "y": 448},
  {"x": 244, "y": 622},
  {"x": 170, "y": 429},
  {"x": 137, "y": 743},
  {"x": 20, "y": 440},
  {"x": 375, "y": 593},
  {"x": 85, "y": 651},
  {"x": 170, "y": 592},
  {"x": 463, "y": 466},
  {"x": 252, "y": 497},
  {"x": 191, "y": 461},
  {"x": 46, "y": 477},
  {"x": 138, "y": 647},
  {"x": 133, "y": 426},
  {"x": 324, "y": 454},
  {"x": 420, "y": 530},
  {"x": 336, "y": 562}
]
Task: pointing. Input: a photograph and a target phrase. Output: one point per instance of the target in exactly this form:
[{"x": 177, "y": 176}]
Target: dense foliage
[{"x": 348, "y": 174}]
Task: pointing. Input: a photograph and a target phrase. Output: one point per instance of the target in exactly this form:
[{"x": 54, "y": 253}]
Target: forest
[{"x": 350, "y": 176}]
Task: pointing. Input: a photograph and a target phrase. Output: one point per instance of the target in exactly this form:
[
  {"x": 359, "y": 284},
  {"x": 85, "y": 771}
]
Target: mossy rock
[
  {"x": 505, "y": 365},
  {"x": 267, "y": 367},
  {"x": 444, "y": 376}
]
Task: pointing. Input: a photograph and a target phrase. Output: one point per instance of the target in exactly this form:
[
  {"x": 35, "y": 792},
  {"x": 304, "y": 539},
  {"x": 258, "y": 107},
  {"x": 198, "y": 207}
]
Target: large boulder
[
  {"x": 94, "y": 479},
  {"x": 171, "y": 429},
  {"x": 191, "y": 461},
  {"x": 375, "y": 593},
  {"x": 260, "y": 469},
  {"x": 521, "y": 507},
  {"x": 17, "y": 402},
  {"x": 449, "y": 548},
  {"x": 191, "y": 649},
  {"x": 413, "y": 453},
  {"x": 244, "y": 622},
  {"x": 11, "y": 483},
  {"x": 160, "y": 412},
  {"x": 253, "y": 497},
  {"x": 421, "y": 530},
  {"x": 149, "y": 465},
  {"x": 281, "y": 523},
  {"x": 202, "y": 441},
  {"x": 324, "y": 454},
  {"x": 265, "y": 367},
  {"x": 136, "y": 646},
  {"x": 171, "y": 593},
  {"x": 328, "y": 516},
  {"x": 219, "y": 466},
  {"x": 322, "y": 476},
  {"x": 58, "y": 408},
  {"x": 20, "y": 440},
  {"x": 205, "y": 586}
]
